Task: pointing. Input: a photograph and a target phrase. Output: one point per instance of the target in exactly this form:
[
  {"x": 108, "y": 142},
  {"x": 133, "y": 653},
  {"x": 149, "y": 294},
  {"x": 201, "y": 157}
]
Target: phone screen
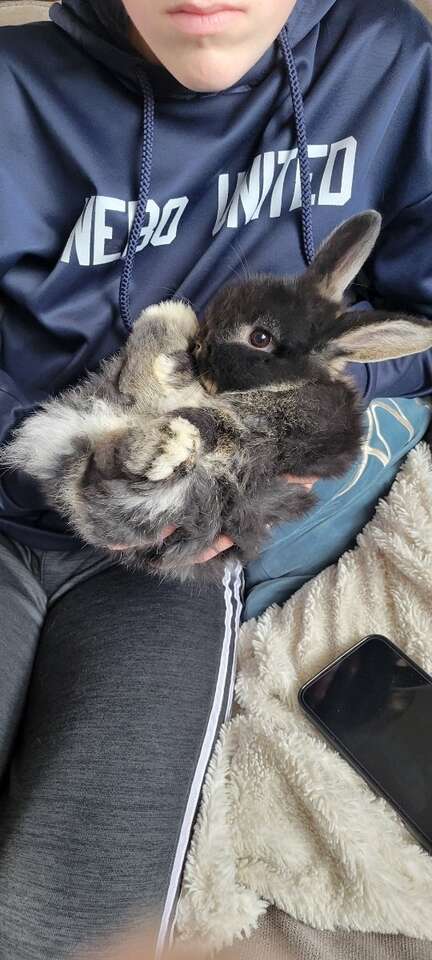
[{"x": 378, "y": 705}]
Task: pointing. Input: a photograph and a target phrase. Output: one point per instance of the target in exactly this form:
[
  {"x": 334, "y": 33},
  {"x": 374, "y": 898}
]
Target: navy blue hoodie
[{"x": 110, "y": 169}]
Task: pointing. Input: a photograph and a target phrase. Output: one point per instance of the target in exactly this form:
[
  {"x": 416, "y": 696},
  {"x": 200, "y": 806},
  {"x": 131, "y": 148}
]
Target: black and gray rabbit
[{"x": 195, "y": 427}]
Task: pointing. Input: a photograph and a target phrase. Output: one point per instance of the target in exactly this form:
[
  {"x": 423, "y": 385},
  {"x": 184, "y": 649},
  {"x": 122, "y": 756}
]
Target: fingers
[
  {"x": 221, "y": 543},
  {"x": 166, "y": 532},
  {"x": 306, "y": 482}
]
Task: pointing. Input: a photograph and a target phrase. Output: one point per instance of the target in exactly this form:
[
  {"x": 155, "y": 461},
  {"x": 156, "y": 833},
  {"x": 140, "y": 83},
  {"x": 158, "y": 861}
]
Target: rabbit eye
[{"x": 260, "y": 338}]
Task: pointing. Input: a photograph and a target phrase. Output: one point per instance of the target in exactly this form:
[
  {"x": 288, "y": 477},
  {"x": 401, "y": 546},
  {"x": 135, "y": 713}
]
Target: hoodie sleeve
[
  {"x": 17, "y": 490},
  {"x": 13, "y": 403},
  {"x": 400, "y": 271}
]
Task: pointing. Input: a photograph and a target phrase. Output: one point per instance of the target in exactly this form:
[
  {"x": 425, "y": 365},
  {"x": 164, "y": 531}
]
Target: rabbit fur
[{"x": 195, "y": 426}]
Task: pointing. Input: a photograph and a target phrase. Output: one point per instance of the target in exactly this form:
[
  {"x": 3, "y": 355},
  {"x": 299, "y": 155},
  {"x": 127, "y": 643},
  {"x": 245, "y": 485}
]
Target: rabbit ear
[
  {"x": 371, "y": 335},
  {"x": 343, "y": 254}
]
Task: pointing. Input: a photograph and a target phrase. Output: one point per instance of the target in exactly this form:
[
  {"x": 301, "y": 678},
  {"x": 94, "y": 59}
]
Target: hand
[
  {"x": 306, "y": 482},
  {"x": 223, "y": 542},
  {"x": 166, "y": 532}
]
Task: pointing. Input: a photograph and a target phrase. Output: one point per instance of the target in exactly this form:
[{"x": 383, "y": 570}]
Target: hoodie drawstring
[
  {"x": 303, "y": 156},
  {"x": 143, "y": 194},
  {"x": 146, "y": 165}
]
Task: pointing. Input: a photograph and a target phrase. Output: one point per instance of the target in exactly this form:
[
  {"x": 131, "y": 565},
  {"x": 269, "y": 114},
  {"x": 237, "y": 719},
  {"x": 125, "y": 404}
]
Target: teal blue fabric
[{"x": 299, "y": 550}]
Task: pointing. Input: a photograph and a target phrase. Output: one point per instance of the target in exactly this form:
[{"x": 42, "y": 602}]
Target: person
[{"x": 153, "y": 149}]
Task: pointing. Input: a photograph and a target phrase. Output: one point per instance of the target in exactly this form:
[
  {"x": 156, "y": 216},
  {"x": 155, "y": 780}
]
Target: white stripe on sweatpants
[
  {"x": 201, "y": 767},
  {"x": 238, "y": 584}
]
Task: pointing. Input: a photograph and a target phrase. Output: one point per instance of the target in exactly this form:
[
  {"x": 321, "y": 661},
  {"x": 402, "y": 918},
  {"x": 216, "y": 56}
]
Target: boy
[{"x": 127, "y": 129}]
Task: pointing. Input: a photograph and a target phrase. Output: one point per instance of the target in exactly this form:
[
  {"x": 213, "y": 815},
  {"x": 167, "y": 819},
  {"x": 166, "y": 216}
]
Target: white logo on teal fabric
[{"x": 392, "y": 426}]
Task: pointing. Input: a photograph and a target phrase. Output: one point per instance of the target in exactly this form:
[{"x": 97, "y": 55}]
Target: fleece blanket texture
[{"x": 284, "y": 820}]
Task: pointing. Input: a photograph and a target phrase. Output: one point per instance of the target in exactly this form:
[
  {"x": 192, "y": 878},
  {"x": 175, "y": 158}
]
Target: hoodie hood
[{"x": 101, "y": 28}]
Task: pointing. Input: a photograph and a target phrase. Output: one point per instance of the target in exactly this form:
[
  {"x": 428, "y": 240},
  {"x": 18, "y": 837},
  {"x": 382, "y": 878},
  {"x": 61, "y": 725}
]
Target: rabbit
[{"x": 195, "y": 426}]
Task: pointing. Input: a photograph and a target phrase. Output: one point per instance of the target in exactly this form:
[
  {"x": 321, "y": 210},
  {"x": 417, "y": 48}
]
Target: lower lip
[{"x": 200, "y": 23}]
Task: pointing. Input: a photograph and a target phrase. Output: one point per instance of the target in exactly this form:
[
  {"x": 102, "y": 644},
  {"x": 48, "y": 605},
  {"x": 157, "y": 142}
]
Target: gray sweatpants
[{"x": 113, "y": 687}]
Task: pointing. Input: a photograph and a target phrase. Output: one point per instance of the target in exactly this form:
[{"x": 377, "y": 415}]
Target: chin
[{"x": 210, "y": 74}]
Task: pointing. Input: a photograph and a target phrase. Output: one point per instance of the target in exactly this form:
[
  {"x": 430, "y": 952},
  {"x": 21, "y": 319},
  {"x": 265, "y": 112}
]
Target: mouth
[
  {"x": 210, "y": 386},
  {"x": 206, "y": 381},
  {"x": 196, "y": 19}
]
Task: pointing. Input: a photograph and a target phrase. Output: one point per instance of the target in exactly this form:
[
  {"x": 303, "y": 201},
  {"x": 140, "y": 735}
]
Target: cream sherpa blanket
[{"x": 284, "y": 819}]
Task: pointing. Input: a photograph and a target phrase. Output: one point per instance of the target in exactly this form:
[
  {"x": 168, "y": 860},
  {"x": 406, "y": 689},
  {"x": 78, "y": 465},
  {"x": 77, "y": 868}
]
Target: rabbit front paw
[
  {"x": 181, "y": 445},
  {"x": 178, "y": 315}
]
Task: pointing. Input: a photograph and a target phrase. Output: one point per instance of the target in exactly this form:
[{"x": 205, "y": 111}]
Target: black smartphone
[{"x": 374, "y": 704}]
